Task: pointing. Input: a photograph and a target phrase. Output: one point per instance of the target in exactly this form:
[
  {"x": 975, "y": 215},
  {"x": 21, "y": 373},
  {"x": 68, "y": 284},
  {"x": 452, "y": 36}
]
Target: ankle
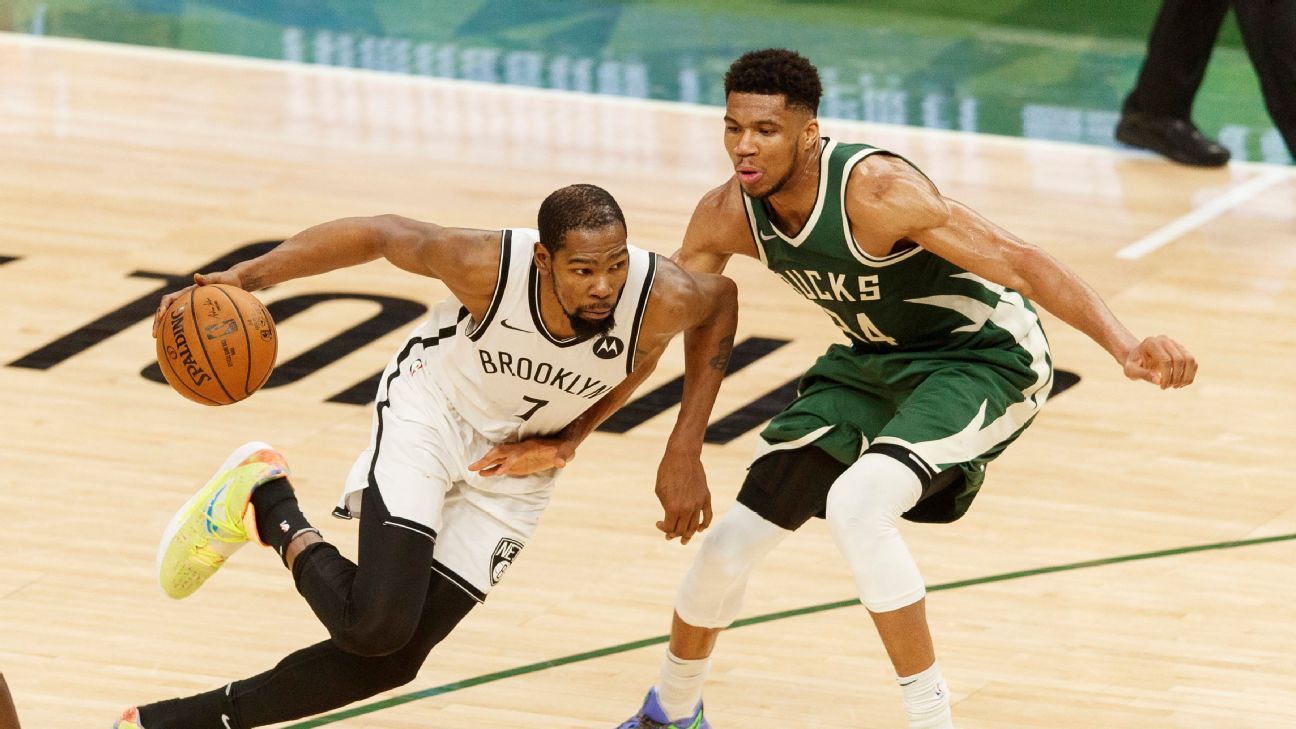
[
  {"x": 679, "y": 690},
  {"x": 926, "y": 699},
  {"x": 299, "y": 543}
]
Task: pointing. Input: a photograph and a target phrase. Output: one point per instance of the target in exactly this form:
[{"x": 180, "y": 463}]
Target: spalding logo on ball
[{"x": 217, "y": 345}]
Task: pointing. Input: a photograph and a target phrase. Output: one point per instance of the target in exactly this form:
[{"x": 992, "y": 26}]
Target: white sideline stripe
[
  {"x": 1202, "y": 215},
  {"x": 682, "y": 107}
]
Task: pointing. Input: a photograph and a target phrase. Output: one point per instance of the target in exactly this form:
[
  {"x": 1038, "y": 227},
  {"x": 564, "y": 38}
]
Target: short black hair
[
  {"x": 774, "y": 71},
  {"x": 575, "y": 207}
]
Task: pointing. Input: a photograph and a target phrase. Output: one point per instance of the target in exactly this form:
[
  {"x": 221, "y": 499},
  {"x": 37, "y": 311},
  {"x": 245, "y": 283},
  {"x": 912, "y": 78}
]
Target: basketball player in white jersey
[{"x": 545, "y": 335}]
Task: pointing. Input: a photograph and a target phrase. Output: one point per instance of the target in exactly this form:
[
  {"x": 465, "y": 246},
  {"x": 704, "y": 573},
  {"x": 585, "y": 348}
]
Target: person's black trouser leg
[
  {"x": 1269, "y": 31},
  {"x": 384, "y": 616},
  {"x": 1178, "y": 49}
]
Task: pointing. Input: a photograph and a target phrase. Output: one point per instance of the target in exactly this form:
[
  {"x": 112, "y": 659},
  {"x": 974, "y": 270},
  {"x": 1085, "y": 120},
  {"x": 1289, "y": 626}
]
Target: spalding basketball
[{"x": 217, "y": 344}]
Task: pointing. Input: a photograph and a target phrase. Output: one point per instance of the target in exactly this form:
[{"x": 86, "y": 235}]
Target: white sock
[
  {"x": 926, "y": 699},
  {"x": 680, "y": 687}
]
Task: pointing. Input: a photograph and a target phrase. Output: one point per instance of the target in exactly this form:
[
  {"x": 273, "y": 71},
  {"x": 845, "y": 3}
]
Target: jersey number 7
[{"x": 536, "y": 404}]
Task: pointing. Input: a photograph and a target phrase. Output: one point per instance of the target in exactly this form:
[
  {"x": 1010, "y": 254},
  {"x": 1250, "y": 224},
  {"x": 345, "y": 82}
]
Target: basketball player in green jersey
[{"x": 946, "y": 365}]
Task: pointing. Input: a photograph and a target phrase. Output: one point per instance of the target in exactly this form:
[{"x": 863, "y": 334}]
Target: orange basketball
[{"x": 217, "y": 344}]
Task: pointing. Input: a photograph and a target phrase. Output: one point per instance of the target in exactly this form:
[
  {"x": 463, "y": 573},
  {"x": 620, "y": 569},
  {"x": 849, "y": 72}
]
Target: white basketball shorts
[{"x": 418, "y": 458}]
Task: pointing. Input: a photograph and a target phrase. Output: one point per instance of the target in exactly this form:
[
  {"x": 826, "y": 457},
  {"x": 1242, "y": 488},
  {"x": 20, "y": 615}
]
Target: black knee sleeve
[{"x": 787, "y": 487}]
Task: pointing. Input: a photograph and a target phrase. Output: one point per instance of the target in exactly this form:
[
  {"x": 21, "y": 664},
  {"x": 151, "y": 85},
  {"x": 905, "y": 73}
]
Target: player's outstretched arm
[
  {"x": 466, "y": 260},
  {"x": 705, "y": 308},
  {"x": 899, "y": 203}
]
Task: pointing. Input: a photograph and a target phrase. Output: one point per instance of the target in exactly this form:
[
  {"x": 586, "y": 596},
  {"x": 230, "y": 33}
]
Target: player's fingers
[
  {"x": 1190, "y": 374},
  {"x": 1185, "y": 365},
  {"x": 492, "y": 457},
  {"x": 1136, "y": 372},
  {"x": 1135, "y": 368},
  {"x": 706, "y": 516},
  {"x": 666, "y": 530},
  {"x": 1150, "y": 363},
  {"x": 672, "y": 524},
  {"x": 1177, "y": 361},
  {"x": 163, "y": 305},
  {"x": 691, "y": 528},
  {"x": 1164, "y": 362}
]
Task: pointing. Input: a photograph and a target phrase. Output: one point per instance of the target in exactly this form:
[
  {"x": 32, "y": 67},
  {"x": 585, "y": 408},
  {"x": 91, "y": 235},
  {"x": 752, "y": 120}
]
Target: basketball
[{"x": 217, "y": 344}]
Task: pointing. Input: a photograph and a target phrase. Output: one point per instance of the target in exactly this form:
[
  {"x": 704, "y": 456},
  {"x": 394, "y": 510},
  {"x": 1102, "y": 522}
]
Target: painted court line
[
  {"x": 1202, "y": 215},
  {"x": 769, "y": 617}
]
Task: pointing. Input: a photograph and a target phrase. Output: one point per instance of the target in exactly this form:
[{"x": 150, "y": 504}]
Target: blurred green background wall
[{"x": 1032, "y": 68}]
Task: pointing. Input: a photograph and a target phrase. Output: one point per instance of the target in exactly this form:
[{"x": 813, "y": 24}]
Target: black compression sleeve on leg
[
  {"x": 370, "y": 607},
  {"x": 325, "y": 677},
  {"x": 209, "y": 709}
]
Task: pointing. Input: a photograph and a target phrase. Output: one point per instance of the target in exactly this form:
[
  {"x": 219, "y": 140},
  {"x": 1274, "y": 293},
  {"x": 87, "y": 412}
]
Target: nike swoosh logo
[
  {"x": 225, "y": 721},
  {"x": 906, "y": 683},
  {"x": 516, "y": 329},
  {"x": 767, "y": 237}
]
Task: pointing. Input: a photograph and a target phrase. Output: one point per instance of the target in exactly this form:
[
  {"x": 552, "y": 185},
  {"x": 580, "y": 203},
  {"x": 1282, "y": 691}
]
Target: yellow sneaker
[
  {"x": 210, "y": 527},
  {"x": 129, "y": 720}
]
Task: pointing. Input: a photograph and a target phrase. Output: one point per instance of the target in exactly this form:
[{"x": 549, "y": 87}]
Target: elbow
[
  {"x": 724, "y": 304},
  {"x": 727, "y": 298},
  {"x": 388, "y": 233},
  {"x": 389, "y": 220}
]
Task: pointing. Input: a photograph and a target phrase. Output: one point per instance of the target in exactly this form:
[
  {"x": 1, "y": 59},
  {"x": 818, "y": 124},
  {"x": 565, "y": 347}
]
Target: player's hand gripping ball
[{"x": 216, "y": 344}]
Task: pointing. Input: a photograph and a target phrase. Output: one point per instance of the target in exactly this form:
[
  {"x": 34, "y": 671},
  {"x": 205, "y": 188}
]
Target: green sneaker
[{"x": 210, "y": 526}]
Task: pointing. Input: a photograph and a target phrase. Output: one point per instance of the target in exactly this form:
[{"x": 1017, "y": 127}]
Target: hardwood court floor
[{"x": 118, "y": 166}]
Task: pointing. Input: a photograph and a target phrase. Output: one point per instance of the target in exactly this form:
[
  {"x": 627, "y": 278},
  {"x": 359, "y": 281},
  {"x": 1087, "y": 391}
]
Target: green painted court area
[{"x": 1030, "y": 68}]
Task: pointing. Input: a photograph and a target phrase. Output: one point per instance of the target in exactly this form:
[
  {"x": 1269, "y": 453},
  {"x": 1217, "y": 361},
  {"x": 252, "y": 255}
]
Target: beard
[
  {"x": 584, "y": 328},
  {"x": 777, "y": 186}
]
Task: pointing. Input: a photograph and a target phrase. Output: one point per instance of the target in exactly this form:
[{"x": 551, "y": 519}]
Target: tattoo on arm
[
  {"x": 251, "y": 283},
  {"x": 721, "y": 360}
]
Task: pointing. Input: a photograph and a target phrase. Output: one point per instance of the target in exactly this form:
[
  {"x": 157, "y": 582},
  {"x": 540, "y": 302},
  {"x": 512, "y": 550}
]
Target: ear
[
  {"x": 810, "y": 134},
  {"x": 543, "y": 260}
]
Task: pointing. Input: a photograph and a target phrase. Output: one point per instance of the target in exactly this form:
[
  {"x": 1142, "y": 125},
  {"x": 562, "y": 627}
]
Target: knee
[
  {"x": 384, "y": 673},
  {"x": 374, "y": 639},
  {"x": 402, "y": 668},
  {"x": 871, "y": 495},
  {"x": 712, "y": 591},
  {"x": 736, "y": 543},
  {"x": 724, "y": 555},
  {"x": 857, "y": 507}
]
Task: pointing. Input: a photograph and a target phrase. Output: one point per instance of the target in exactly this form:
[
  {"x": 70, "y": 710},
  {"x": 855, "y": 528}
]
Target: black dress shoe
[{"x": 1177, "y": 139}]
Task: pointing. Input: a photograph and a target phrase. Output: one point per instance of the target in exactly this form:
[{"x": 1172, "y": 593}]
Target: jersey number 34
[{"x": 865, "y": 328}]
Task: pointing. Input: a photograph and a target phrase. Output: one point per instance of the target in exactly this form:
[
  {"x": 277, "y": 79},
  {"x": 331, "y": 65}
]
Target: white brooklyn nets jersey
[{"x": 507, "y": 376}]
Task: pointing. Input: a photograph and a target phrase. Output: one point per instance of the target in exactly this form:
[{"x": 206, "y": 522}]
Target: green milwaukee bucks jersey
[{"x": 908, "y": 301}]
